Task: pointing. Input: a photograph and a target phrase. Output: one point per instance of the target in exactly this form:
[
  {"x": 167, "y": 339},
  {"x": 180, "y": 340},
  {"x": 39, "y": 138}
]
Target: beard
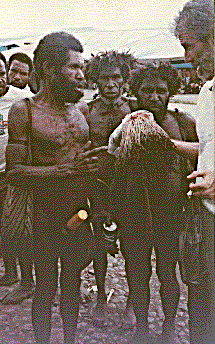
[
  {"x": 65, "y": 90},
  {"x": 205, "y": 69}
]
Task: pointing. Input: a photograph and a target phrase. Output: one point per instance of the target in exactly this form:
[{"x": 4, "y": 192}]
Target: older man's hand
[{"x": 204, "y": 188}]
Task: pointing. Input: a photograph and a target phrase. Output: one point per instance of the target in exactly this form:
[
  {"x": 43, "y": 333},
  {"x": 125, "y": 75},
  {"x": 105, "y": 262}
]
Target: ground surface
[{"x": 15, "y": 320}]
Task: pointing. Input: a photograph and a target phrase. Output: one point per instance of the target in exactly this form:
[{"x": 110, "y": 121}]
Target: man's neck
[
  {"x": 46, "y": 97},
  {"x": 5, "y": 91},
  {"x": 111, "y": 101},
  {"x": 161, "y": 117}
]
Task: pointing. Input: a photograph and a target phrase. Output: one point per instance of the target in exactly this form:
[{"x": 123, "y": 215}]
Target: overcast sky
[{"x": 37, "y": 17}]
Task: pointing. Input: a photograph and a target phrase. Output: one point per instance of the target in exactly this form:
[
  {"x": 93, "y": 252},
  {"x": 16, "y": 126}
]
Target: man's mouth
[
  {"x": 16, "y": 83},
  {"x": 154, "y": 106},
  {"x": 79, "y": 88},
  {"x": 110, "y": 93}
]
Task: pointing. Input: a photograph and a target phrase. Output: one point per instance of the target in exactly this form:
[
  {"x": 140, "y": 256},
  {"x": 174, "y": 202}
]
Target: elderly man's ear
[{"x": 48, "y": 69}]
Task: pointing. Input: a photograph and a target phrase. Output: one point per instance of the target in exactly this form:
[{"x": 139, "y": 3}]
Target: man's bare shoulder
[
  {"x": 187, "y": 122},
  {"x": 18, "y": 121},
  {"x": 131, "y": 101},
  {"x": 182, "y": 116},
  {"x": 95, "y": 102},
  {"x": 82, "y": 105}
]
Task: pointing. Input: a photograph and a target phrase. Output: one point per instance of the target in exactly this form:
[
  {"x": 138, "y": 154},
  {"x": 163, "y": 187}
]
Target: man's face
[
  {"x": 3, "y": 78},
  {"x": 18, "y": 74},
  {"x": 199, "y": 54},
  {"x": 67, "y": 84},
  {"x": 110, "y": 83},
  {"x": 153, "y": 95}
]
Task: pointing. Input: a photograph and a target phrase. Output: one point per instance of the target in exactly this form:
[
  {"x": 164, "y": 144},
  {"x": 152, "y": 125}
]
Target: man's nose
[
  {"x": 187, "y": 57},
  {"x": 80, "y": 75},
  {"x": 17, "y": 76},
  {"x": 154, "y": 96},
  {"x": 110, "y": 83}
]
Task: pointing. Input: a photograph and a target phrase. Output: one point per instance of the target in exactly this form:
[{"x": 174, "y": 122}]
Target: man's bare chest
[
  {"x": 104, "y": 121},
  {"x": 58, "y": 130},
  {"x": 58, "y": 137}
]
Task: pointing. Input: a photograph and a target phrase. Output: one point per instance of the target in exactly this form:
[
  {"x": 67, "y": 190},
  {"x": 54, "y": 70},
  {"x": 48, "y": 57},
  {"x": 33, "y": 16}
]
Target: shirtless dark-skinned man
[
  {"x": 60, "y": 175},
  {"x": 110, "y": 71},
  {"x": 153, "y": 85},
  {"x": 13, "y": 246}
]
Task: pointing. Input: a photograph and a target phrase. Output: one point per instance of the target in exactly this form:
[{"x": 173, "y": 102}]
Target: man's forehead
[
  {"x": 152, "y": 81},
  {"x": 75, "y": 57},
  {"x": 110, "y": 70},
  {"x": 20, "y": 65}
]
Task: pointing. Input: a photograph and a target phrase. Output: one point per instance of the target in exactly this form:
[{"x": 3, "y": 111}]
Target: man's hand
[
  {"x": 87, "y": 160},
  {"x": 205, "y": 188}
]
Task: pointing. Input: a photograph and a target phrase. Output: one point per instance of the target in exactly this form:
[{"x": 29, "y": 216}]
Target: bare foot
[
  {"x": 99, "y": 313},
  {"x": 8, "y": 280},
  {"x": 18, "y": 295},
  {"x": 129, "y": 318}
]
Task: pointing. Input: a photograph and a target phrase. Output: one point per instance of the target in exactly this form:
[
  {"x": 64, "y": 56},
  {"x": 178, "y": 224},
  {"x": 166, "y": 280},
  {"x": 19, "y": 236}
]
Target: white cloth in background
[
  {"x": 205, "y": 131},
  {"x": 12, "y": 95}
]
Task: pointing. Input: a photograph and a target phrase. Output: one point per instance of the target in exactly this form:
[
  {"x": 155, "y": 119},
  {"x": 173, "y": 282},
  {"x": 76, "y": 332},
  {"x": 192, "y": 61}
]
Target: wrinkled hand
[
  {"x": 204, "y": 188},
  {"x": 87, "y": 160}
]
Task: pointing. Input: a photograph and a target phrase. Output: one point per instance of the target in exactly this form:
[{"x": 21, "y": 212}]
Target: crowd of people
[{"x": 126, "y": 161}]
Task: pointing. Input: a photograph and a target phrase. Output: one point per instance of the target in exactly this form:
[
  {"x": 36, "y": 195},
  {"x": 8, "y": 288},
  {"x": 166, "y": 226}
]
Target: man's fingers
[
  {"x": 86, "y": 161},
  {"x": 206, "y": 194},
  {"x": 195, "y": 174},
  {"x": 89, "y": 168},
  {"x": 96, "y": 150},
  {"x": 87, "y": 146}
]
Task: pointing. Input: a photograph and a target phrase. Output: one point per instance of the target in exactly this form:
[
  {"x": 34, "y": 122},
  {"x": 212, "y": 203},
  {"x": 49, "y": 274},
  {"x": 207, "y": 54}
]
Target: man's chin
[
  {"x": 75, "y": 97},
  {"x": 14, "y": 84}
]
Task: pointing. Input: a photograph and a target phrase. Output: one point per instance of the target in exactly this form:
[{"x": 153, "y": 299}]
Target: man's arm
[
  {"x": 20, "y": 174},
  {"x": 187, "y": 149},
  {"x": 188, "y": 123}
]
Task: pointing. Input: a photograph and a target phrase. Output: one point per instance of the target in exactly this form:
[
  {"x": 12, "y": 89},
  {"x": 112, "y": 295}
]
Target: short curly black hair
[
  {"x": 125, "y": 61},
  {"x": 164, "y": 71},
  {"x": 54, "y": 49},
  {"x": 22, "y": 57}
]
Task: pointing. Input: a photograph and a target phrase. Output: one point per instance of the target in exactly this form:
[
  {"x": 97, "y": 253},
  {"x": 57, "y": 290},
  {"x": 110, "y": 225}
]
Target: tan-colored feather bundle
[{"x": 143, "y": 138}]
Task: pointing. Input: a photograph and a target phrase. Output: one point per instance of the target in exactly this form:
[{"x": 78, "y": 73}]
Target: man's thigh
[
  {"x": 167, "y": 254},
  {"x": 75, "y": 247},
  {"x": 207, "y": 246}
]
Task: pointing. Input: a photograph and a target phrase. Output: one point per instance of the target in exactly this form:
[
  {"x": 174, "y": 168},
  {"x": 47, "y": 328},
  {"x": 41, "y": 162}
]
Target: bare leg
[
  {"x": 25, "y": 289},
  {"x": 46, "y": 275},
  {"x": 138, "y": 271},
  {"x": 69, "y": 303},
  {"x": 169, "y": 291},
  {"x": 100, "y": 268},
  {"x": 129, "y": 318},
  {"x": 9, "y": 258},
  {"x": 45, "y": 246}
]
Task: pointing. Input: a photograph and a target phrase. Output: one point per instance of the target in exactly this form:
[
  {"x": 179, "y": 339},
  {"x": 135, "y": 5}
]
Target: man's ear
[
  {"x": 211, "y": 40},
  {"x": 48, "y": 69}
]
